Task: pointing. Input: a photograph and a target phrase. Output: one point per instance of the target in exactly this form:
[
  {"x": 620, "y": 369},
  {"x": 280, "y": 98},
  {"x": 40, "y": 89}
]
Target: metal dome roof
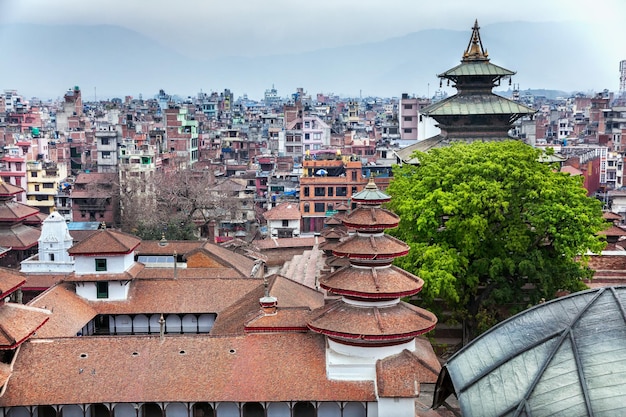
[{"x": 563, "y": 357}]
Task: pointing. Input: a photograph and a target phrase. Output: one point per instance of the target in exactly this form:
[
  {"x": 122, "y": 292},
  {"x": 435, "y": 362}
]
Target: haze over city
[{"x": 348, "y": 47}]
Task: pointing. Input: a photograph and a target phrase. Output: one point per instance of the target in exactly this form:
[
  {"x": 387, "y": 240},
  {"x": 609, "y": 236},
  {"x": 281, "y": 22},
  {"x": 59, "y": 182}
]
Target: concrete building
[{"x": 44, "y": 183}]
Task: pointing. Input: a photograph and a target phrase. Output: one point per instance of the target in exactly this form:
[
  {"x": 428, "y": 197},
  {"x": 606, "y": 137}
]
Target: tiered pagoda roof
[
  {"x": 370, "y": 312},
  {"x": 475, "y": 113}
]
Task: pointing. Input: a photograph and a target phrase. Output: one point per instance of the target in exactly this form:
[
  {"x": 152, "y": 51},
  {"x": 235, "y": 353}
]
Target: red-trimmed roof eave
[
  {"x": 377, "y": 226},
  {"x": 19, "y": 342},
  {"x": 373, "y": 338},
  {"x": 10, "y": 290},
  {"x": 370, "y": 256},
  {"x": 102, "y": 253},
  {"x": 368, "y": 295}
]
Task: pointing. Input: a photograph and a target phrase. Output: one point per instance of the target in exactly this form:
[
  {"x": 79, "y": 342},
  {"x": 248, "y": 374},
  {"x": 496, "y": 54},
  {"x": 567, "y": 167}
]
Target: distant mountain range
[{"x": 110, "y": 61}]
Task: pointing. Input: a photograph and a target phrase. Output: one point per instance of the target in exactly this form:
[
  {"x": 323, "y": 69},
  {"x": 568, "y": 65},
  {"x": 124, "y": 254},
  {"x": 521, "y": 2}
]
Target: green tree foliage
[{"x": 492, "y": 230}]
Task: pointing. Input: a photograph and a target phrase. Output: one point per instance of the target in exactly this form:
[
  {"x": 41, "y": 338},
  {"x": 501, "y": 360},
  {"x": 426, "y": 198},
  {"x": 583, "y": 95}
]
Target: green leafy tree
[{"x": 492, "y": 230}]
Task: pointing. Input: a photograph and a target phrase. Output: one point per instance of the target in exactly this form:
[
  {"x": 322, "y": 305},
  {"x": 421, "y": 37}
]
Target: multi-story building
[
  {"x": 181, "y": 130},
  {"x": 44, "y": 183},
  {"x": 13, "y": 168},
  {"x": 107, "y": 142},
  {"x": 95, "y": 198},
  {"x": 315, "y": 133},
  {"x": 408, "y": 117},
  {"x": 329, "y": 179}
]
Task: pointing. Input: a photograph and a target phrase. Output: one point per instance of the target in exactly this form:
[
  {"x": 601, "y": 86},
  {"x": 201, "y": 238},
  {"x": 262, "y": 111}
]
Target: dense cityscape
[{"x": 217, "y": 255}]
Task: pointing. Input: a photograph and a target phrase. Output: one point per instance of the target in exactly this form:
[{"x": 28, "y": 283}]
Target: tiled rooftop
[{"x": 179, "y": 368}]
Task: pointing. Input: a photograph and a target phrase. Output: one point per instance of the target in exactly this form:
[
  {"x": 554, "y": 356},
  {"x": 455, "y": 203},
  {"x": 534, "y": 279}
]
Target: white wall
[
  {"x": 396, "y": 407},
  {"x": 118, "y": 290},
  {"x": 115, "y": 264}
]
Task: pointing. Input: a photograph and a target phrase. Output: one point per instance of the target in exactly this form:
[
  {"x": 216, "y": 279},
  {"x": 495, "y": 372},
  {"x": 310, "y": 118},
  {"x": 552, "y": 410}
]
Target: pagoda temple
[
  {"x": 475, "y": 112},
  {"x": 369, "y": 324}
]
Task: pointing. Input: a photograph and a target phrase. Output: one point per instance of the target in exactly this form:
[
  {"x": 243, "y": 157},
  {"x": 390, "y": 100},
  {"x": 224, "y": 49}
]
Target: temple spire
[{"x": 475, "y": 50}]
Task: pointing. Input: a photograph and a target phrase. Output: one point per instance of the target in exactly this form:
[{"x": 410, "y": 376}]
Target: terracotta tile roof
[
  {"x": 96, "y": 178},
  {"x": 284, "y": 211},
  {"x": 285, "y": 320},
  {"x": 239, "y": 262},
  {"x": 289, "y": 295},
  {"x": 70, "y": 313},
  {"x": 155, "y": 247},
  {"x": 106, "y": 241},
  {"x": 613, "y": 231},
  {"x": 7, "y": 189},
  {"x": 180, "y": 295},
  {"x": 333, "y": 233},
  {"x": 257, "y": 367},
  {"x": 369, "y": 218},
  {"x": 36, "y": 281},
  {"x": 289, "y": 242},
  {"x": 127, "y": 275},
  {"x": 12, "y": 211},
  {"x": 80, "y": 235},
  {"x": 373, "y": 247},
  {"x": 18, "y": 322},
  {"x": 362, "y": 324},
  {"x": 19, "y": 237},
  {"x": 5, "y": 373},
  {"x": 611, "y": 216},
  {"x": 10, "y": 280},
  {"x": 386, "y": 282},
  {"x": 400, "y": 375}
]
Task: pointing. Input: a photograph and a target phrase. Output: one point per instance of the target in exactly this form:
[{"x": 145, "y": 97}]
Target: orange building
[{"x": 329, "y": 179}]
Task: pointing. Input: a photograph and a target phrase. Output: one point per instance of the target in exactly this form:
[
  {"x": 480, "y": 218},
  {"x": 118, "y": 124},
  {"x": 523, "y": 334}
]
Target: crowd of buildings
[{"x": 302, "y": 166}]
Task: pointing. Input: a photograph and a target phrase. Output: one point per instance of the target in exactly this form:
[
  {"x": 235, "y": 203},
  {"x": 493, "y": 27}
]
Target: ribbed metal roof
[
  {"x": 475, "y": 104},
  {"x": 565, "y": 357},
  {"x": 476, "y": 68}
]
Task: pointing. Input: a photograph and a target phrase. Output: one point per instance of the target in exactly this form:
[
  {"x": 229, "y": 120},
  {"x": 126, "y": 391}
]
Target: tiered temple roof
[{"x": 370, "y": 312}]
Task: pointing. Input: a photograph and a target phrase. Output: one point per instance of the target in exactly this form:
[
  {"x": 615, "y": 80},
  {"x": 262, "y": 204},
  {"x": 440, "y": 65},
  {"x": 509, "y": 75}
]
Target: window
[
  {"x": 48, "y": 185},
  {"x": 353, "y": 175},
  {"x": 320, "y": 191},
  {"x": 106, "y": 155},
  {"x": 33, "y": 174},
  {"x": 102, "y": 289},
  {"x": 306, "y": 191},
  {"x": 330, "y": 191},
  {"x": 408, "y": 130},
  {"x": 408, "y": 106},
  {"x": 331, "y": 207},
  {"x": 307, "y": 136},
  {"x": 105, "y": 141},
  {"x": 306, "y": 207},
  {"x": 101, "y": 264},
  {"x": 342, "y": 191},
  {"x": 285, "y": 223},
  {"x": 408, "y": 118},
  {"x": 51, "y": 257},
  {"x": 36, "y": 187},
  {"x": 320, "y": 207}
]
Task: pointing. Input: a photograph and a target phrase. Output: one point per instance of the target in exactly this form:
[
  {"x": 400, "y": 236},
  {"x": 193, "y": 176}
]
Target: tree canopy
[{"x": 492, "y": 230}]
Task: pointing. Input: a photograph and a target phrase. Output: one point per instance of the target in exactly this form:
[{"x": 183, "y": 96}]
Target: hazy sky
[{"x": 264, "y": 27}]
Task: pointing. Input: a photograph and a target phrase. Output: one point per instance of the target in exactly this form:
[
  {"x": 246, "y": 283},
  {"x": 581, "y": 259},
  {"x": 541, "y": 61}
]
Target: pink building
[
  {"x": 408, "y": 117},
  {"x": 13, "y": 169}
]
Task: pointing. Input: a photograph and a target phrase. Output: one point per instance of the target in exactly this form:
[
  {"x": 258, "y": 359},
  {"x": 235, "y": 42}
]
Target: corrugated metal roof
[
  {"x": 564, "y": 357},
  {"x": 476, "y": 104},
  {"x": 476, "y": 68}
]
